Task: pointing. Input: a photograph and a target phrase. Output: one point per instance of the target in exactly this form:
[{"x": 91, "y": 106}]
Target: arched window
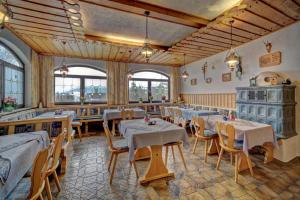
[
  {"x": 80, "y": 85},
  {"x": 148, "y": 86},
  {"x": 11, "y": 76}
]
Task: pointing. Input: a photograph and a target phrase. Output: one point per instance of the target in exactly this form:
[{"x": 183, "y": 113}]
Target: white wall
[
  {"x": 23, "y": 51},
  {"x": 286, "y": 40}
]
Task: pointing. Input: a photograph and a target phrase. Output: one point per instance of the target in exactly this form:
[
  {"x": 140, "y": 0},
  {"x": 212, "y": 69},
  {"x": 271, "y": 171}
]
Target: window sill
[{"x": 14, "y": 111}]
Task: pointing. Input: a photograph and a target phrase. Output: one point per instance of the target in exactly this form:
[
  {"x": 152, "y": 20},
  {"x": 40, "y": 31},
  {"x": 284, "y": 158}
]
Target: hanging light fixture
[
  {"x": 5, "y": 13},
  {"x": 147, "y": 51},
  {"x": 63, "y": 69},
  {"x": 185, "y": 74},
  {"x": 232, "y": 58}
]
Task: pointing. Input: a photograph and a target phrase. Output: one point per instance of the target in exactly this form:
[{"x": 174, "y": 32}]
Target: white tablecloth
[
  {"x": 110, "y": 114},
  {"x": 17, "y": 153},
  {"x": 188, "y": 113},
  {"x": 139, "y": 134},
  {"x": 53, "y": 115},
  {"x": 251, "y": 133}
]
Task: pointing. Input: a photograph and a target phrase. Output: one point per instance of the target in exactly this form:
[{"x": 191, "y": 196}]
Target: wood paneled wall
[{"x": 218, "y": 100}]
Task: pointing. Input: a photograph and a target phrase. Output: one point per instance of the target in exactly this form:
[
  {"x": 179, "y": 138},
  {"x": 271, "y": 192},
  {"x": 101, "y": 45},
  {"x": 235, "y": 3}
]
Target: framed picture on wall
[
  {"x": 226, "y": 77},
  {"x": 194, "y": 81}
]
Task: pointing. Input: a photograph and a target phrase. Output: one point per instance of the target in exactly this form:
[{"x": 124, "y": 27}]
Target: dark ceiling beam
[{"x": 156, "y": 12}]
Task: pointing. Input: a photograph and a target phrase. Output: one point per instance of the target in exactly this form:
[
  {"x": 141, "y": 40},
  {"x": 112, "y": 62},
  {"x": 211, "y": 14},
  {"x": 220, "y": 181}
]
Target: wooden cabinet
[{"x": 274, "y": 105}]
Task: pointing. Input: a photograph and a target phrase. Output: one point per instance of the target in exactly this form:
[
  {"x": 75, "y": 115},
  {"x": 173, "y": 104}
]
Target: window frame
[
  {"x": 82, "y": 85},
  {"x": 3, "y": 65},
  {"x": 149, "y": 80}
]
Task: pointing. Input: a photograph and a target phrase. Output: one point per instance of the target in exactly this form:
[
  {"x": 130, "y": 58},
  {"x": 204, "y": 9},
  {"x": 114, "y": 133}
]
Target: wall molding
[{"x": 217, "y": 100}]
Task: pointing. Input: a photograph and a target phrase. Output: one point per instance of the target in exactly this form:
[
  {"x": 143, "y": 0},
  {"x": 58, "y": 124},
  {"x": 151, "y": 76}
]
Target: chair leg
[
  {"x": 48, "y": 189},
  {"x": 249, "y": 165},
  {"x": 217, "y": 145},
  {"x": 166, "y": 156},
  {"x": 79, "y": 132},
  {"x": 231, "y": 158},
  {"x": 181, "y": 155},
  {"x": 135, "y": 168},
  {"x": 206, "y": 150},
  {"x": 113, "y": 169},
  {"x": 172, "y": 148},
  {"x": 41, "y": 197},
  {"x": 236, "y": 169},
  {"x": 195, "y": 145},
  {"x": 111, "y": 158},
  {"x": 56, "y": 180},
  {"x": 191, "y": 128},
  {"x": 220, "y": 157}
]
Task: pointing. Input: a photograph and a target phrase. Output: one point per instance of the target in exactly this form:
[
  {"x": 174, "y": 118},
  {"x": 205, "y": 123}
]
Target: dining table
[
  {"x": 153, "y": 135},
  {"x": 189, "y": 113},
  {"x": 17, "y": 153},
  {"x": 249, "y": 133}
]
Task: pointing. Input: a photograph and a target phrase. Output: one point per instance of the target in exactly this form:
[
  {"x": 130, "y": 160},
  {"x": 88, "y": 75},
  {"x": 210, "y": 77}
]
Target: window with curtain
[
  {"x": 11, "y": 76},
  {"x": 147, "y": 86},
  {"x": 80, "y": 85}
]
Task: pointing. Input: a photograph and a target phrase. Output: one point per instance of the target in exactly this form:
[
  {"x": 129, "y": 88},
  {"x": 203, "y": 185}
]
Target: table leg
[
  {"x": 156, "y": 168},
  {"x": 268, "y": 146},
  {"x": 142, "y": 153},
  {"x": 243, "y": 165}
]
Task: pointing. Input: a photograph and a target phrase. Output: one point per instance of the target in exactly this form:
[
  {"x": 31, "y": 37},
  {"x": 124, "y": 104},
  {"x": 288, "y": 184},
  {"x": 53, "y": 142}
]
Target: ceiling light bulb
[
  {"x": 76, "y": 24},
  {"x": 72, "y": 10},
  {"x": 74, "y": 17}
]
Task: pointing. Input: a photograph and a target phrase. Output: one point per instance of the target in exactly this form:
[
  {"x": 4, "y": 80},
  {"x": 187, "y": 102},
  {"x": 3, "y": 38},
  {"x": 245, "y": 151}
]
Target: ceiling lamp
[
  {"x": 147, "y": 51},
  {"x": 232, "y": 59},
  {"x": 5, "y": 13},
  {"x": 63, "y": 69},
  {"x": 185, "y": 74}
]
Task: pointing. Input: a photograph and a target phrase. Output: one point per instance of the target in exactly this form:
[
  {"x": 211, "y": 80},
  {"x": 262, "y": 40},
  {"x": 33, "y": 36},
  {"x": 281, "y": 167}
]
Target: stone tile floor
[{"x": 87, "y": 177}]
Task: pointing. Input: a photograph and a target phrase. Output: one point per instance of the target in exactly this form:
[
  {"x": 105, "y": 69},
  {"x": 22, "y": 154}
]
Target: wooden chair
[
  {"x": 171, "y": 113},
  {"x": 163, "y": 113},
  {"x": 127, "y": 114},
  {"x": 77, "y": 125},
  {"x": 172, "y": 144},
  {"x": 32, "y": 187},
  {"x": 203, "y": 134},
  {"x": 232, "y": 146},
  {"x": 54, "y": 162},
  {"x": 116, "y": 147}
]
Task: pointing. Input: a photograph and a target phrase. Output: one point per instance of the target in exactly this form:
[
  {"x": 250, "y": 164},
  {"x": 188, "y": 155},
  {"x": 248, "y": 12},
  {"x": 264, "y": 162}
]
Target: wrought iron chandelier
[
  {"x": 63, "y": 69},
  {"x": 185, "y": 74},
  {"x": 147, "y": 51},
  {"x": 232, "y": 59}
]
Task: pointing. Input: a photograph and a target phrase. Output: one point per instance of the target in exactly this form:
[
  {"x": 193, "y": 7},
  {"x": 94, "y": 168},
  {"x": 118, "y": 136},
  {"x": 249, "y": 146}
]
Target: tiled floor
[{"x": 87, "y": 177}]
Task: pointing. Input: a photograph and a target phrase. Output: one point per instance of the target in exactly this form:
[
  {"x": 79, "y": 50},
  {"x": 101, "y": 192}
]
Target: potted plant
[
  {"x": 82, "y": 99},
  {"x": 163, "y": 99},
  {"x": 140, "y": 100},
  {"x": 9, "y": 104},
  {"x": 150, "y": 99}
]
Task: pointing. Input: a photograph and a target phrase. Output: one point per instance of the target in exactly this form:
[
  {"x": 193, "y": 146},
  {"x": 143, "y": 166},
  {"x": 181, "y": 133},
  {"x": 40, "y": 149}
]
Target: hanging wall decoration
[
  {"x": 194, "y": 81},
  {"x": 204, "y": 69},
  {"x": 208, "y": 80},
  {"x": 226, "y": 77}
]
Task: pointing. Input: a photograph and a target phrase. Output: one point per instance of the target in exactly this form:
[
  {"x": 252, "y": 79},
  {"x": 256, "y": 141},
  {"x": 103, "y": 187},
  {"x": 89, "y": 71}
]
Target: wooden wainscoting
[{"x": 217, "y": 100}]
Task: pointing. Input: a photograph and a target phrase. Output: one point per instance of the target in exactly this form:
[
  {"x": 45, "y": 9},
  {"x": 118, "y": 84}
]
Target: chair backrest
[
  {"x": 58, "y": 142},
  {"x": 162, "y": 111},
  {"x": 127, "y": 114},
  {"x": 230, "y": 134},
  {"x": 39, "y": 168},
  {"x": 108, "y": 136},
  {"x": 199, "y": 125},
  {"x": 171, "y": 112}
]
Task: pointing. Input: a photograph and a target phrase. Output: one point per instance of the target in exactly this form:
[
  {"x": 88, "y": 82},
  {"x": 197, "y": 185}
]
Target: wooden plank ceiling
[{"x": 44, "y": 25}]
